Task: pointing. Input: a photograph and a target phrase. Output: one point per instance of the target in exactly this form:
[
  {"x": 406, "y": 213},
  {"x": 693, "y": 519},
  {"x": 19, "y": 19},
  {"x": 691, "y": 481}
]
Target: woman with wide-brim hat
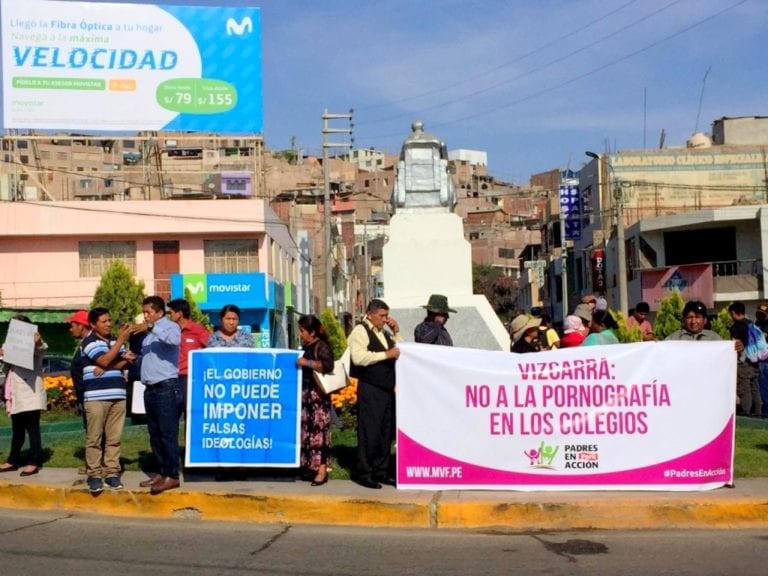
[{"x": 525, "y": 334}]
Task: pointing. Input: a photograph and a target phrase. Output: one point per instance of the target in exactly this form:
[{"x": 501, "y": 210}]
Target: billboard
[
  {"x": 570, "y": 207},
  {"x": 129, "y": 67}
]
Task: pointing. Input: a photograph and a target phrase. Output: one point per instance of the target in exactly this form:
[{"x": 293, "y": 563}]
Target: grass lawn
[{"x": 63, "y": 444}]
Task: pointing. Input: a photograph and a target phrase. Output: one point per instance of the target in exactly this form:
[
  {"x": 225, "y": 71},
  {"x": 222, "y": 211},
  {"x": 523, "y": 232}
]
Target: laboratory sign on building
[{"x": 118, "y": 67}]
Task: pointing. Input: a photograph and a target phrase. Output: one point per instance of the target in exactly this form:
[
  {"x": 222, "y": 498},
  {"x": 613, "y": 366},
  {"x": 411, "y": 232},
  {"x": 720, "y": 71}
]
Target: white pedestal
[{"x": 427, "y": 254}]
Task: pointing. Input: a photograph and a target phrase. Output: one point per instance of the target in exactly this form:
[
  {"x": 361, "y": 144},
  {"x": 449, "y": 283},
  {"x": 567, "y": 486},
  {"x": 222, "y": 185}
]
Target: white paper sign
[{"x": 19, "y": 347}]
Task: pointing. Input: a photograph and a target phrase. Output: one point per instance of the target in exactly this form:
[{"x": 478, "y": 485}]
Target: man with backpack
[{"x": 752, "y": 339}]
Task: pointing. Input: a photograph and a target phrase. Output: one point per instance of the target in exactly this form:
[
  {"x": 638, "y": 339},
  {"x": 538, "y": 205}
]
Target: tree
[
  {"x": 336, "y": 337},
  {"x": 195, "y": 314},
  {"x": 624, "y": 332},
  {"x": 498, "y": 288},
  {"x": 722, "y": 323},
  {"x": 669, "y": 317},
  {"x": 119, "y": 293}
]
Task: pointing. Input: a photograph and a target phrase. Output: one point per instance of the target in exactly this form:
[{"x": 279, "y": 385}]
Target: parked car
[{"x": 56, "y": 365}]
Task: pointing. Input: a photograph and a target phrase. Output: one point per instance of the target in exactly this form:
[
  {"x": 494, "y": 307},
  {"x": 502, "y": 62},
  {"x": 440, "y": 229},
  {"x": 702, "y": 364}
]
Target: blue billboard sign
[
  {"x": 212, "y": 291},
  {"x": 127, "y": 67},
  {"x": 244, "y": 408},
  {"x": 571, "y": 208}
]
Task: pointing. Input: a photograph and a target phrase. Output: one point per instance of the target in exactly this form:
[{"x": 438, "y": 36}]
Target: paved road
[{"x": 45, "y": 543}]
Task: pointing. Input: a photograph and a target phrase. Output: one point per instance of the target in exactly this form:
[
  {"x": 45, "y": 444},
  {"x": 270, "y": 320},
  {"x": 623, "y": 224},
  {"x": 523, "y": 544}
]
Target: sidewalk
[{"x": 341, "y": 502}]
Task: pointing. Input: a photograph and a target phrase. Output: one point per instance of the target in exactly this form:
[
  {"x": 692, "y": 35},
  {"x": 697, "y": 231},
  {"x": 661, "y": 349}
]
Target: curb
[{"x": 451, "y": 510}]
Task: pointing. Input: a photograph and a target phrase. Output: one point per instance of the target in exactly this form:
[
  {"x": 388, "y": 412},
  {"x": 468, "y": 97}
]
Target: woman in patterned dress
[{"x": 315, "y": 404}]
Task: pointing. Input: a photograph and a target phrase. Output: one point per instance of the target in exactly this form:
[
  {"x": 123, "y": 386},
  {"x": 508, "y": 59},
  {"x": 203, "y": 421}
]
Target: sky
[{"x": 534, "y": 83}]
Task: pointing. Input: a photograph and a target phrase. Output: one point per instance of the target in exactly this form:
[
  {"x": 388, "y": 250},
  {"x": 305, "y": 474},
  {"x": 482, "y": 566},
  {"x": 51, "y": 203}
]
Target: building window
[
  {"x": 236, "y": 185},
  {"x": 474, "y": 236},
  {"x": 62, "y": 156},
  {"x": 129, "y": 144},
  {"x": 24, "y": 159},
  {"x": 506, "y": 252},
  {"x": 23, "y": 144},
  {"x": 224, "y": 256},
  {"x": 97, "y": 257}
]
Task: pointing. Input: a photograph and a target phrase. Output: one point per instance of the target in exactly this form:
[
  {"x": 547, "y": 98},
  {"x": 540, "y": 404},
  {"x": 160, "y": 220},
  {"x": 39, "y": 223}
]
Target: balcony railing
[{"x": 738, "y": 268}]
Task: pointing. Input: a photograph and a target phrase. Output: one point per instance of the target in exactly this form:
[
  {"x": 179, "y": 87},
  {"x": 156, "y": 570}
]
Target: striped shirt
[{"x": 110, "y": 385}]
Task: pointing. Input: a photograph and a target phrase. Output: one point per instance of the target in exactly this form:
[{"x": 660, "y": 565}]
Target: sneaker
[
  {"x": 114, "y": 483},
  {"x": 95, "y": 485}
]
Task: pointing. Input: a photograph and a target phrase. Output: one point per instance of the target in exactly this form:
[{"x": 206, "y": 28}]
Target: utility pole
[
  {"x": 563, "y": 260},
  {"x": 621, "y": 248},
  {"x": 617, "y": 197},
  {"x": 327, "y": 130}
]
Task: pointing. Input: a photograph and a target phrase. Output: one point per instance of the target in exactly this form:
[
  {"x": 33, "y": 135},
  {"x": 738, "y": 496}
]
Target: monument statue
[
  {"x": 422, "y": 179},
  {"x": 427, "y": 252}
]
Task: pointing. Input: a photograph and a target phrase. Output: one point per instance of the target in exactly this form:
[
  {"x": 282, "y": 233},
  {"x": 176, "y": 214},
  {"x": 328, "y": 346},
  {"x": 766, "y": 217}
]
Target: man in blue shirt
[{"x": 159, "y": 374}]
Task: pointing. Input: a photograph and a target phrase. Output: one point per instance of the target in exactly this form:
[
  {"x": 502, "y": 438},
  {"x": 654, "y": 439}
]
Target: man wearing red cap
[{"x": 79, "y": 328}]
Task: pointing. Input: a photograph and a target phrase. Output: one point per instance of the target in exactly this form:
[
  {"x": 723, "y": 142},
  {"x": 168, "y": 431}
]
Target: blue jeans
[
  {"x": 763, "y": 382},
  {"x": 161, "y": 402}
]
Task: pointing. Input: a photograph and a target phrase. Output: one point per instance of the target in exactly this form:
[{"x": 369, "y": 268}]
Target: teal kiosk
[{"x": 260, "y": 298}]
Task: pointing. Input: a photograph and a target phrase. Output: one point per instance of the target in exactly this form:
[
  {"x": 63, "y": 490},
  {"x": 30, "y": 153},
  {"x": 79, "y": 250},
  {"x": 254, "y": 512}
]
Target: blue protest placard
[{"x": 244, "y": 408}]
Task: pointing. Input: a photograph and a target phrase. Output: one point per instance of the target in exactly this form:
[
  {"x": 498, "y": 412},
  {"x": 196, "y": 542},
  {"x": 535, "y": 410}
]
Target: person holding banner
[
  {"x": 229, "y": 335},
  {"x": 25, "y": 399},
  {"x": 373, "y": 353},
  {"x": 694, "y": 321},
  {"x": 315, "y": 404}
]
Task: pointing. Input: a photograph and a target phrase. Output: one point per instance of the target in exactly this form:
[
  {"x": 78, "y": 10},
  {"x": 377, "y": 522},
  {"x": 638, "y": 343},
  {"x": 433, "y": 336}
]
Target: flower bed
[
  {"x": 61, "y": 393},
  {"x": 345, "y": 403}
]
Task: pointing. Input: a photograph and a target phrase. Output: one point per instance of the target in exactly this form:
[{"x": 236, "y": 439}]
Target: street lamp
[{"x": 621, "y": 249}]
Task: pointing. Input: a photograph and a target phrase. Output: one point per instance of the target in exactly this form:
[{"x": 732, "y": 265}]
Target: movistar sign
[{"x": 212, "y": 291}]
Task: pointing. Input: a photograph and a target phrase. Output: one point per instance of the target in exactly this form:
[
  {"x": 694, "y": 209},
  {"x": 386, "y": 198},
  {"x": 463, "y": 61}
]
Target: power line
[
  {"x": 534, "y": 70},
  {"x": 573, "y": 79},
  {"x": 523, "y": 56}
]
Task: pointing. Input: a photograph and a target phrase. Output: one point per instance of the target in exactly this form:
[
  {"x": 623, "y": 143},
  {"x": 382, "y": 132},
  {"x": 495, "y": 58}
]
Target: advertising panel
[
  {"x": 651, "y": 416},
  {"x": 212, "y": 291},
  {"x": 692, "y": 281},
  {"x": 127, "y": 67},
  {"x": 244, "y": 408},
  {"x": 598, "y": 270},
  {"x": 570, "y": 206}
]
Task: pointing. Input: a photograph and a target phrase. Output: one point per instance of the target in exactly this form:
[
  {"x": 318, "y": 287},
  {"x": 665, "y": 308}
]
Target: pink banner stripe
[{"x": 711, "y": 463}]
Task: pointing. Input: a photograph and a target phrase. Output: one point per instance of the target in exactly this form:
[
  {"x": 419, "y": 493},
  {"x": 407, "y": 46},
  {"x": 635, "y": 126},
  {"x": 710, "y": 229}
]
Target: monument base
[{"x": 428, "y": 254}]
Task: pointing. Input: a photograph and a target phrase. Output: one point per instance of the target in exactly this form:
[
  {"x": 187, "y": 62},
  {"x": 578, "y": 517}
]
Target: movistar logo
[
  {"x": 244, "y": 26},
  {"x": 197, "y": 284}
]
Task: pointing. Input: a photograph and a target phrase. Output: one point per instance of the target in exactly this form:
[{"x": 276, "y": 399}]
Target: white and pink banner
[{"x": 645, "y": 416}]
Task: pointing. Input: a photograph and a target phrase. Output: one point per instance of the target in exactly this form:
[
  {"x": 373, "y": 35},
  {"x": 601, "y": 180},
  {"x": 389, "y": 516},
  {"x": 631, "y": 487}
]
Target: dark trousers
[
  {"x": 80, "y": 396},
  {"x": 375, "y": 430},
  {"x": 161, "y": 402},
  {"x": 22, "y": 424},
  {"x": 763, "y": 385},
  {"x": 748, "y": 390},
  {"x": 183, "y": 384}
]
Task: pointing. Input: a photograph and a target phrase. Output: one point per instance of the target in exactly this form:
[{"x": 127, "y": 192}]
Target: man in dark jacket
[
  {"x": 373, "y": 353},
  {"x": 432, "y": 329}
]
